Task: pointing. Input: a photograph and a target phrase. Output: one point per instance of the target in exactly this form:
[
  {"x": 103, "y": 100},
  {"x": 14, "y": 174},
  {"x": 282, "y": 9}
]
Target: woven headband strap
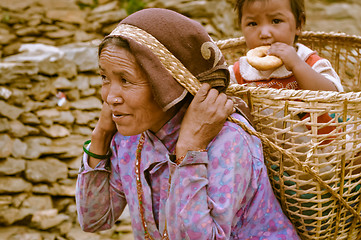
[{"x": 183, "y": 76}]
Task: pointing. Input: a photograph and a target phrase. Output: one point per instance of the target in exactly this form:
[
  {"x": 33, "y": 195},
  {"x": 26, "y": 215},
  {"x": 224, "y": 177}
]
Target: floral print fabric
[{"x": 220, "y": 194}]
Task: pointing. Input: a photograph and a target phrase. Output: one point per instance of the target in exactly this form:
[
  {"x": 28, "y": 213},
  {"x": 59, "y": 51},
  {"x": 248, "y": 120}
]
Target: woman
[{"x": 184, "y": 172}]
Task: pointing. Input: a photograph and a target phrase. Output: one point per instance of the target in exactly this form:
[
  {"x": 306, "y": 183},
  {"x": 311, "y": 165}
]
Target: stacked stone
[
  {"x": 59, "y": 22},
  {"x": 55, "y": 22},
  {"x": 49, "y": 103},
  {"x": 218, "y": 17}
]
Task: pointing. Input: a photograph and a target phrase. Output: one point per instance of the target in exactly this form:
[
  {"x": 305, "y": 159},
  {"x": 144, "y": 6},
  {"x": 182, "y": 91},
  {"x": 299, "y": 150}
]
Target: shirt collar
[{"x": 169, "y": 133}]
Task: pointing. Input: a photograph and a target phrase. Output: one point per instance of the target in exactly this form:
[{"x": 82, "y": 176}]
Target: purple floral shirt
[{"x": 220, "y": 194}]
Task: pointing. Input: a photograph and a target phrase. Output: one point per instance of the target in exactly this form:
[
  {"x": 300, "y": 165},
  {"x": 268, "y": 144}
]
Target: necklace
[{"x": 140, "y": 192}]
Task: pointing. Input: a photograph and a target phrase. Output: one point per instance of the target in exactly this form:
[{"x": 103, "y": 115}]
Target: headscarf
[{"x": 170, "y": 47}]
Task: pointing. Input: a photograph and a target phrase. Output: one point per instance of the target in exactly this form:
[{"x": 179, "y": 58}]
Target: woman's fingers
[
  {"x": 206, "y": 94},
  {"x": 204, "y": 119},
  {"x": 211, "y": 97},
  {"x": 202, "y": 93},
  {"x": 105, "y": 122}
]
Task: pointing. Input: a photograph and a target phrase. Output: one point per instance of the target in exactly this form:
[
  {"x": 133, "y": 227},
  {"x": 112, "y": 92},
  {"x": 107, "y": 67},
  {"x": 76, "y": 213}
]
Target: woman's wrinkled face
[
  {"x": 126, "y": 89},
  {"x": 267, "y": 22}
]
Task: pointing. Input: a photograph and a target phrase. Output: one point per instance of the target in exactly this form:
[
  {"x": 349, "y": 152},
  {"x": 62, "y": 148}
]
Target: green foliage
[
  {"x": 132, "y": 6},
  {"x": 5, "y": 17},
  {"x": 93, "y": 5}
]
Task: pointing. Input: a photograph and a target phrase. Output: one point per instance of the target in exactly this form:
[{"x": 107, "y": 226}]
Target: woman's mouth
[{"x": 118, "y": 116}]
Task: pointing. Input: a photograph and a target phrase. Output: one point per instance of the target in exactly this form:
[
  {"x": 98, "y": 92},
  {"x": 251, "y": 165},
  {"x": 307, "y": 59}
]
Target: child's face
[{"x": 267, "y": 22}]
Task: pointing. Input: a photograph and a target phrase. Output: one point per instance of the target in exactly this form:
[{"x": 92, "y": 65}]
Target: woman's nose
[
  {"x": 114, "y": 99},
  {"x": 114, "y": 95}
]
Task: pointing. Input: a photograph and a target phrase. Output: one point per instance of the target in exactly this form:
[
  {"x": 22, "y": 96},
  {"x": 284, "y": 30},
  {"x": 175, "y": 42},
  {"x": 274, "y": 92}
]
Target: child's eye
[
  {"x": 277, "y": 21},
  {"x": 251, "y": 24}
]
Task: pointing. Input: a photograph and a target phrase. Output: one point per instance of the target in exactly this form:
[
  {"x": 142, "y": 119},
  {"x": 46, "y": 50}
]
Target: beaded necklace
[{"x": 140, "y": 191}]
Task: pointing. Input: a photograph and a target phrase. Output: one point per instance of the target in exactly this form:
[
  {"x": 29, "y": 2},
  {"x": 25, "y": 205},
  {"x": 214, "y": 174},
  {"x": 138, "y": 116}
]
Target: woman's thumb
[{"x": 202, "y": 93}]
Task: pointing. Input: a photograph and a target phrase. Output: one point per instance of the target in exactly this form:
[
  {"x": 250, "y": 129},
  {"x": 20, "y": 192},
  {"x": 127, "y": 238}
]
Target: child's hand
[
  {"x": 287, "y": 54},
  {"x": 306, "y": 76}
]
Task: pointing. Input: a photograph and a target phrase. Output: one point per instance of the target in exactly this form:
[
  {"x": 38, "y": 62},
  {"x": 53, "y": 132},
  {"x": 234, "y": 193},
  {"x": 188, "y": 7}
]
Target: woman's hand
[
  {"x": 105, "y": 123},
  {"x": 203, "y": 120},
  {"x": 102, "y": 135}
]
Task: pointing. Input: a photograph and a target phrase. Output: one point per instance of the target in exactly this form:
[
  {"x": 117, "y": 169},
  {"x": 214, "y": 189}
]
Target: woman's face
[
  {"x": 267, "y": 22},
  {"x": 126, "y": 89}
]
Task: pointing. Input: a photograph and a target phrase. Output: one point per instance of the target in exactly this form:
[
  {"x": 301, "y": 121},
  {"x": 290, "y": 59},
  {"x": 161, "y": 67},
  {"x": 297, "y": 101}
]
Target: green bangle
[{"x": 108, "y": 155}]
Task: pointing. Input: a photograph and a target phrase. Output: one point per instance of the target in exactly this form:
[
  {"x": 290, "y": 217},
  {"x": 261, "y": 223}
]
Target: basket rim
[
  {"x": 292, "y": 94},
  {"x": 338, "y": 36}
]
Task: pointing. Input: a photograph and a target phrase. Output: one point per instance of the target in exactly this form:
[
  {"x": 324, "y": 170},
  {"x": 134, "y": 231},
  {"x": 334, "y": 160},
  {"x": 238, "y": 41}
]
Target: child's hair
[{"x": 297, "y": 6}]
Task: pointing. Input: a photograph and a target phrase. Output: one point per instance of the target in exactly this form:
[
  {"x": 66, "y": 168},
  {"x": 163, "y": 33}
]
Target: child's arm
[{"x": 307, "y": 78}]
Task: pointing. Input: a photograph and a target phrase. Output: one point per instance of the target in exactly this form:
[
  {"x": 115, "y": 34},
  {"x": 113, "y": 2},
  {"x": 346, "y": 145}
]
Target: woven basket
[{"x": 316, "y": 177}]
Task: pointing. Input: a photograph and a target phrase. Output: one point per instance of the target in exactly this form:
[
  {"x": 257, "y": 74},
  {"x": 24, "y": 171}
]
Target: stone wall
[
  {"x": 334, "y": 16},
  {"x": 59, "y": 22},
  {"x": 49, "y": 102}
]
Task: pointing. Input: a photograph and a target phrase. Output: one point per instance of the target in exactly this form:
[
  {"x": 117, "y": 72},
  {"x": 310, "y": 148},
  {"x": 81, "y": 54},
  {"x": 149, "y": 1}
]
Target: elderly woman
[{"x": 184, "y": 171}]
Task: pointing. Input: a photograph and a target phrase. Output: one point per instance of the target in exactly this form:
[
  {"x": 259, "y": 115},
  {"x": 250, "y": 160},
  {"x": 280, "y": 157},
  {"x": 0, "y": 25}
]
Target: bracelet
[
  {"x": 108, "y": 155},
  {"x": 180, "y": 159}
]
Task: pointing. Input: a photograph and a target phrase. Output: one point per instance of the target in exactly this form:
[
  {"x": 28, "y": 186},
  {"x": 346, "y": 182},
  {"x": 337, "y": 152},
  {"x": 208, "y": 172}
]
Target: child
[{"x": 278, "y": 23}]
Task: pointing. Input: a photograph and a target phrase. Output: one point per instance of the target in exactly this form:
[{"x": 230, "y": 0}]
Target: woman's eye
[
  {"x": 125, "y": 81},
  {"x": 104, "y": 79}
]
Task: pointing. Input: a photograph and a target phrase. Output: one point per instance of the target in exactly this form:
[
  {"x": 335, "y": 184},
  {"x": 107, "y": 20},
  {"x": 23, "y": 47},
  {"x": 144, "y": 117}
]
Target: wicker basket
[
  {"x": 343, "y": 51},
  {"x": 316, "y": 177}
]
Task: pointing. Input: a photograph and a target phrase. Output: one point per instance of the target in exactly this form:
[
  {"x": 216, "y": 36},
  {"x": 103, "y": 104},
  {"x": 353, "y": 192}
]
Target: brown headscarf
[
  {"x": 176, "y": 53},
  {"x": 169, "y": 46}
]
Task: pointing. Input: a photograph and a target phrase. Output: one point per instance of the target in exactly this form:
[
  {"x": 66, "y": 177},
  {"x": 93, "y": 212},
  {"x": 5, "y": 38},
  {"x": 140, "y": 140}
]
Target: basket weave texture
[{"x": 316, "y": 176}]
